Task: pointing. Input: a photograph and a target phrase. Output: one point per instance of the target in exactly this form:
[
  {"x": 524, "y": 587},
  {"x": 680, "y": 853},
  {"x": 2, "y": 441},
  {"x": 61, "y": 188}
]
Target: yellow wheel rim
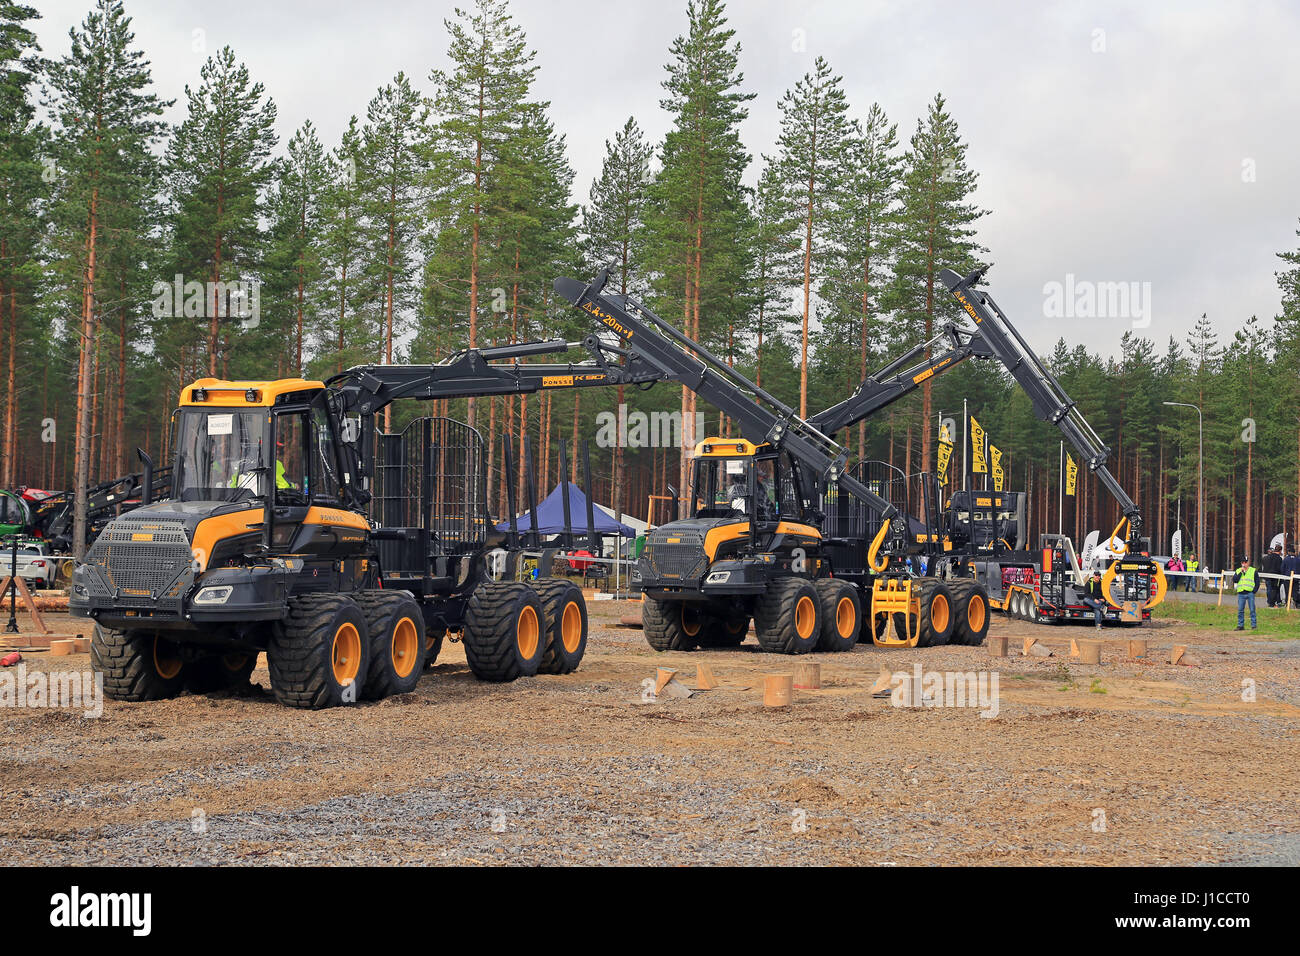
[
  {"x": 345, "y": 655},
  {"x": 233, "y": 662},
  {"x": 571, "y": 626},
  {"x": 166, "y": 661},
  {"x": 406, "y": 643},
  {"x": 846, "y": 617},
  {"x": 526, "y": 633},
  {"x": 939, "y": 613},
  {"x": 976, "y": 613},
  {"x": 805, "y": 617},
  {"x": 691, "y": 622}
]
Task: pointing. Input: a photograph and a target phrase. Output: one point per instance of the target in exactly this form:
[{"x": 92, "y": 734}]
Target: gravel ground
[{"x": 1121, "y": 763}]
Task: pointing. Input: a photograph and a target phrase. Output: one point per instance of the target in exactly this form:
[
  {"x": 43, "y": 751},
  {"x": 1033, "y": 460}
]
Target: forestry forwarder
[
  {"x": 753, "y": 546},
  {"x": 266, "y": 541}
]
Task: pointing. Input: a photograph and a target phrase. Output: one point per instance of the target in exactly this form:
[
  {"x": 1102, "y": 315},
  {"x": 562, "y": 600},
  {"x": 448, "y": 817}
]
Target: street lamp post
[{"x": 1200, "y": 478}]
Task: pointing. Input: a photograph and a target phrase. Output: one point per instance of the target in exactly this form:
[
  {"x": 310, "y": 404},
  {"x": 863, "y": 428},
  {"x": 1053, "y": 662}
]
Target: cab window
[{"x": 289, "y": 476}]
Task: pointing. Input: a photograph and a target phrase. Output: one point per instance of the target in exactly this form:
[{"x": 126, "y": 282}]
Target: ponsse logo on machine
[
  {"x": 608, "y": 319},
  {"x": 567, "y": 381}
]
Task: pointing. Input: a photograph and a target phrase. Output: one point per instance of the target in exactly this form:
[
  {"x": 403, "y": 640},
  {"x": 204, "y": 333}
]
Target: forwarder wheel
[
  {"x": 937, "y": 618},
  {"x": 970, "y": 608},
  {"x": 505, "y": 631},
  {"x": 565, "y": 613},
  {"x": 788, "y": 617},
  {"x": 841, "y": 615},
  {"x": 220, "y": 671},
  {"x": 137, "y": 665},
  {"x": 397, "y": 646},
  {"x": 321, "y": 654},
  {"x": 672, "y": 625}
]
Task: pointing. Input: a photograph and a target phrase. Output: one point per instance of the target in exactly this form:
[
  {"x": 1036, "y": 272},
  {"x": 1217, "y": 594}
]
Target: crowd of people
[{"x": 1278, "y": 572}]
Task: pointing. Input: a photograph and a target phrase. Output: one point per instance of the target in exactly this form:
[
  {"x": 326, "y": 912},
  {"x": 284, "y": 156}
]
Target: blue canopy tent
[{"x": 550, "y": 516}]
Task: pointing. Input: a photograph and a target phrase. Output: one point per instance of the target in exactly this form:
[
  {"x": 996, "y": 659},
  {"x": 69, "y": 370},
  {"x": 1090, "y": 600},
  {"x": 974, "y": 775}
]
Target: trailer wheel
[
  {"x": 220, "y": 671},
  {"x": 841, "y": 615},
  {"x": 565, "y": 613},
  {"x": 672, "y": 625},
  {"x": 788, "y": 617},
  {"x": 970, "y": 608},
  {"x": 397, "y": 643},
  {"x": 937, "y": 617},
  {"x": 137, "y": 665},
  {"x": 319, "y": 657},
  {"x": 504, "y": 635}
]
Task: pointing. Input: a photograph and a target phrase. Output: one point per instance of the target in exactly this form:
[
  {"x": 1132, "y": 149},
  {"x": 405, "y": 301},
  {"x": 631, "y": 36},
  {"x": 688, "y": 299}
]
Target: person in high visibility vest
[
  {"x": 1246, "y": 580},
  {"x": 1193, "y": 566}
]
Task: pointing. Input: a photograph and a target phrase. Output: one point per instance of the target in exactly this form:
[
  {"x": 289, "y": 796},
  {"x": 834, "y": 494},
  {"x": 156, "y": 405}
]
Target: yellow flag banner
[
  {"x": 995, "y": 460},
  {"x": 945, "y": 456},
  {"x": 978, "y": 463},
  {"x": 1071, "y": 474}
]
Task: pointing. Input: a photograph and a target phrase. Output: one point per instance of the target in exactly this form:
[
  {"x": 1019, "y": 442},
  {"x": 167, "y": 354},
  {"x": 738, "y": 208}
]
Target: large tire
[
  {"x": 565, "y": 613},
  {"x": 397, "y": 645},
  {"x": 137, "y": 665},
  {"x": 220, "y": 672},
  {"x": 970, "y": 607},
  {"x": 672, "y": 625},
  {"x": 433, "y": 638},
  {"x": 320, "y": 656},
  {"x": 936, "y": 613},
  {"x": 504, "y": 636},
  {"x": 787, "y": 617},
  {"x": 841, "y": 615}
]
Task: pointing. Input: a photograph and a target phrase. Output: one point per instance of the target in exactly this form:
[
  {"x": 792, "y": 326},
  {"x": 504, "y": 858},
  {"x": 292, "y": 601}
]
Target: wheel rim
[
  {"x": 571, "y": 626},
  {"x": 805, "y": 616},
  {"x": 738, "y": 626},
  {"x": 345, "y": 655},
  {"x": 939, "y": 613},
  {"x": 691, "y": 621},
  {"x": 526, "y": 633},
  {"x": 976, "y": 613},
  {"x": 845, "y": 618},
  {"x": 406, "y": 642},
  {"x": 166, "y": 659},
  {"x": 233, "y": 662}
]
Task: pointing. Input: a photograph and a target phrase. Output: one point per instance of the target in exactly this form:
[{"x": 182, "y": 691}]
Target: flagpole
[{"x": 1060, "y": 508}]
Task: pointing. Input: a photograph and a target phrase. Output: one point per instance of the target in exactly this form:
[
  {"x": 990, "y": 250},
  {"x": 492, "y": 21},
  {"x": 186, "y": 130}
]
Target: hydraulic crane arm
[
  {"x": 761, "y": 416},
  {"x": 901, "y": 377},
  {"x": 1050, "y": 401}
]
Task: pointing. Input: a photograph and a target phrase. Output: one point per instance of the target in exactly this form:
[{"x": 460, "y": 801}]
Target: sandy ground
[{"x": 1122, "y": 763}]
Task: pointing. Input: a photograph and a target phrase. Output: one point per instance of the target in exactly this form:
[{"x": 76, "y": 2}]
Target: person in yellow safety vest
[
  {"x": 1246, "y": 581},
  {"x": 1193, "y": 566}
]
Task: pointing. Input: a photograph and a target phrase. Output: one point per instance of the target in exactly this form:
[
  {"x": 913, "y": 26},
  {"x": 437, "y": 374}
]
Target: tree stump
[
  {"x": 1089, "y": 652},
  {"x": 997, "y": 644},
  {"x": 807, "y": 675},
  {"x": 663, "y": 676},
  {"x": 1137, "y": 648},
  {"x": 778, "y": 690}
]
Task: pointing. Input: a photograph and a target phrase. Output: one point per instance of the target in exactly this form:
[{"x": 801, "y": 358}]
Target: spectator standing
[
  {"x": 1272, "y": 564},
  {"x": 1246, "y": 580},
  {"x": 1290, "y": 566},
  {"x": 1193, "y": 565}
]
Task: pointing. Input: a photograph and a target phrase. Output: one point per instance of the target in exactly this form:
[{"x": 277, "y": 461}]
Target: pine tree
[
  {"x": 294, "y": 255},
  {"x": 699, "y": 212},
  {"x": 106, "y": 125},
  {"x": 392, "y": 159},
  {"x": 219, "y": 171},
  {"x": 865, "y": 222},
  {"x": 478, "y": 101},
  {"x": 22, "y": 186},
  {"x": 775, "y": 247},
  {"x": 815, "y": 134},
  {"x": 341, "y": 338},
  {"x": 935, "y": 233}
]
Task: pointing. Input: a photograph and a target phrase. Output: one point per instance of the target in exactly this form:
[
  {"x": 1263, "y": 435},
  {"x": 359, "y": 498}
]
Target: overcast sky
[{"x": 1116, "y": 142}]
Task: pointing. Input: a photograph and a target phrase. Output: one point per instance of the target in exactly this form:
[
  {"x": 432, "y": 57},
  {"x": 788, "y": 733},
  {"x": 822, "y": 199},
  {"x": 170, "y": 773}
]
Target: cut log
[
  {"x": 778, "y": 690},
  {"x": 807, "y": 675},
  {"x": 1029, "y": 642},
  {"x": 1137, "y": 648},
  {"x": 1177, "y": 653},
  {"x": 1090, "y": 652},
  {"x": 662, "y": 676},
  {"x": 62, "y": 648},
  {"x": 704, "y": 679},
  {"x": 997, "y": 644},
  {"x": 885, "y": 678}
]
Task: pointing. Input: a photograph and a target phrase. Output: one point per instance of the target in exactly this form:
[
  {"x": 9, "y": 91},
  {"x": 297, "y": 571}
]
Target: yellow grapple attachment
[{"x": 890, "y": 596}]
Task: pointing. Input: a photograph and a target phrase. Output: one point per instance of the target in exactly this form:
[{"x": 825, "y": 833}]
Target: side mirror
[{"x": 672, "y": 494}]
